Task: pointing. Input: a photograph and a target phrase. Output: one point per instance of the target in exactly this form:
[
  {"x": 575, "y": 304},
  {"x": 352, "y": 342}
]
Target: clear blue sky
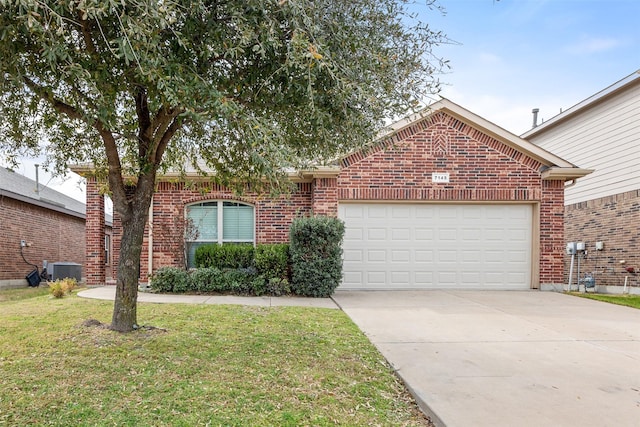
[
  {"x": 514, "y": 55},
  {"x": 509, "y": 56}
]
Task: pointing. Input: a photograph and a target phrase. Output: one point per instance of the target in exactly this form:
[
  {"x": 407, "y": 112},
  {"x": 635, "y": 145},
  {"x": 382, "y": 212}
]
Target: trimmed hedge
[
  {"x": 170, "y": 279},
  {"x": 231, "y": 255},
  {"x": 207, "y": 280},
  {"x": 242, "y": 281},
  {"x": 316, "y": 255},
  {"x": 272, "y": 260}
]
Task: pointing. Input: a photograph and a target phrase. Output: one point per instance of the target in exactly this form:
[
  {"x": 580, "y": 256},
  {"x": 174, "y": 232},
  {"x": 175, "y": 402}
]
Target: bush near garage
[{"x": 316, "y": 255}]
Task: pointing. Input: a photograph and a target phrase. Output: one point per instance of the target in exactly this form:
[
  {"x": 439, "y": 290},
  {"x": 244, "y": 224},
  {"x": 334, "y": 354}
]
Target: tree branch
[
  {"x": 175, "y": 126},
  {"x": 144, "y": 121},
  {"x": 86, "y": 33},
  {"x": 46, "y": 95},
  {"x": 116, "y": 183}
]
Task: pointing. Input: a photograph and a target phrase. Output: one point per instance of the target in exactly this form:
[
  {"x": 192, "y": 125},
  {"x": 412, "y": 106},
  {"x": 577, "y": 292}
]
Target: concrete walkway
[
  {"x": 490, "y": 358},
  {"x": 109, "y": 293}
]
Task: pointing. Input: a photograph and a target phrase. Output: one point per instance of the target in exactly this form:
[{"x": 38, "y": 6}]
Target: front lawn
[
  {"x": 628, "y": 300},
  {"x": 197, "y": 365}
]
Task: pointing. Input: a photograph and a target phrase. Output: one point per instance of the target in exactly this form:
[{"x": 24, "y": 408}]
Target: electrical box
[
  {"x": 599, "y": 246},
  {"x": 571, "y": 248},
  {"x": 581, "y": 247}
]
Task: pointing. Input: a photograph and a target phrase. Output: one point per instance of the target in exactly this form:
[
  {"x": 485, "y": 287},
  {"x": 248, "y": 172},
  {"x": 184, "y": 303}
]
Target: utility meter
[
  {"x": 581, "y": 247},
  {"x": 571, "y": 248}
]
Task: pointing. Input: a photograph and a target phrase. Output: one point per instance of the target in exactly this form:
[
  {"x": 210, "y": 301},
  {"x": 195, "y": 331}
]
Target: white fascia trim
[{"x": 565, "y": 173}]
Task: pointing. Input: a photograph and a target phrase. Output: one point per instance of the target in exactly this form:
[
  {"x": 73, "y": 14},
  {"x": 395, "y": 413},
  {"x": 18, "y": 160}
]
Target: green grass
[
  {"x": 627, "y": 300},
  {"x": 23, "y": 293},
  {"x": 201, "y": 365}
]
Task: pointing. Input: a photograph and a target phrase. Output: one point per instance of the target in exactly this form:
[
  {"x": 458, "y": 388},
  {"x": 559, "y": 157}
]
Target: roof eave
[{"x": 567, "y": 174}]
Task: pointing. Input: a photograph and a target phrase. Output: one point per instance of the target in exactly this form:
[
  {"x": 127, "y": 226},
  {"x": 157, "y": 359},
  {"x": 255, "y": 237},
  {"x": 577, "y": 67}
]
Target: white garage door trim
[{"x": 437, "y": 246}]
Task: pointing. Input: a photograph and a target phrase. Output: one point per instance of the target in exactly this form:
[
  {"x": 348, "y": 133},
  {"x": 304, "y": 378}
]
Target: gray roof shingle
[{"x": 17, "y": 186}]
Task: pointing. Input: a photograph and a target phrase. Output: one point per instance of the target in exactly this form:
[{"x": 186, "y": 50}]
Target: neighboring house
[
  {"x": 445, "y": 200},
  {"x": 602, "y": 133},
  {"x": 49, "y": 222}
]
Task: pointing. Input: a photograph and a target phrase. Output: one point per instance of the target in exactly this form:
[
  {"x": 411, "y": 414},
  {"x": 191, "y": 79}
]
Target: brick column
[
  {"x": 94, "y": 235},
  {"x": 324, "y": 196},
  {"x": 552, "y": 232}
]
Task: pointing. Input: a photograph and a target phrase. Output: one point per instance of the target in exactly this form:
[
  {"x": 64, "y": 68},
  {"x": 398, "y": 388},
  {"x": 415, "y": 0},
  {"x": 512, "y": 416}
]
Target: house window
[
  {"x": 107, "y": 249},
  {"x": 218, "y": 222}
]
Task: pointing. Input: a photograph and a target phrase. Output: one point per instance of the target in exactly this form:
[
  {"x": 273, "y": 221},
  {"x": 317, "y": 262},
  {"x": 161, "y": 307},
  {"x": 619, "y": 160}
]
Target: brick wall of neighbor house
[
  {"x": 615, "y": 221},
  {"x": 481, "y": 168},
  {"x": 54, "y": 236}
]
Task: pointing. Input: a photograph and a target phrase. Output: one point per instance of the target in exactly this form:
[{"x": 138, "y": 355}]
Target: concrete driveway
[{"x": 493, "y": 358}]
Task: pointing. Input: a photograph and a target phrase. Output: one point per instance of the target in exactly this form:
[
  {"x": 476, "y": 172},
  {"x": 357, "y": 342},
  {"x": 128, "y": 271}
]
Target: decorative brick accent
[{"x": 614, "y": 221}]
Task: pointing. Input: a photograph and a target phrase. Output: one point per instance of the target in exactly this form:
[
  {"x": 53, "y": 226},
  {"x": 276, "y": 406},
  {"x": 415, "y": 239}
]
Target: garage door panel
[
  {"x": 403, "y": 255},
  {"x": 398, "y": 246},
  {"x": 401, "y": 234},
  {"x": 423, "y": 234},
  {"x": 376, "y": 256},
  {"x": 402, "y": 278},
  {"x": 352, "y": 255},
  {"x": 377, "y": 234},
  {"x": 423, "y": 256}
]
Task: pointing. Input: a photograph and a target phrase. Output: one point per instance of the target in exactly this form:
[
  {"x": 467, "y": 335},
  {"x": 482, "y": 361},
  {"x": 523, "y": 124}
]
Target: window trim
[{"x": 220, "y": 223}]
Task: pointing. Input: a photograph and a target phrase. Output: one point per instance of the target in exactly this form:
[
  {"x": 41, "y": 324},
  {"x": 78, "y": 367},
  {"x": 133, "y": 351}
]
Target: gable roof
[
  {"x": 19, "y": 187},
  {"x": 605, "y": 94},
  {"x": 554, "y": 166}
]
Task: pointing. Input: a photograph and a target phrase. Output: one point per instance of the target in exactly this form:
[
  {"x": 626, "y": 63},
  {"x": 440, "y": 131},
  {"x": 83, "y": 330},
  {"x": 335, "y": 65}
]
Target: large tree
[{"x": 245, "y": 88}]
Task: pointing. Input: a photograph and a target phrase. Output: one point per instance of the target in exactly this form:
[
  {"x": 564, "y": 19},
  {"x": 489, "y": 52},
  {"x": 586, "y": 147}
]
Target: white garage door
[{"x": 430, "y": 246}]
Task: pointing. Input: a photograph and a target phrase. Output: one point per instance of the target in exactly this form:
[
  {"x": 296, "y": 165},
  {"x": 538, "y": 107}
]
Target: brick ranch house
[{"x": 445, "y": 200}]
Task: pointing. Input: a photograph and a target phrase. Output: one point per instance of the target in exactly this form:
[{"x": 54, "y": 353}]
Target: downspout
[{"x": 150, "y": 260}]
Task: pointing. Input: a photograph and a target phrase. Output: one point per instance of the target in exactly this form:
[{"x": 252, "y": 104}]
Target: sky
[{"x": 510, "y": 56}]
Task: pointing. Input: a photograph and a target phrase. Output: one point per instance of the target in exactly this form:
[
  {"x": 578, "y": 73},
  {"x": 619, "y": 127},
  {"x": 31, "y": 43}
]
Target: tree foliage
[{"x": 244, "y": 89}]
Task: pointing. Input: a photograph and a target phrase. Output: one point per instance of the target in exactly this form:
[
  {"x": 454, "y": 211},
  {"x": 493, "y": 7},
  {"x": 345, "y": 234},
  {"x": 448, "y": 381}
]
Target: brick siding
[
  {"x": 615, "y": 221},
  {"x": 55, "y": 237}
]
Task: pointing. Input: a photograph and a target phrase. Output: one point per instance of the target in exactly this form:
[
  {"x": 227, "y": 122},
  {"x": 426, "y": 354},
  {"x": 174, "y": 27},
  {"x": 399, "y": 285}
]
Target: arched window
[{"x": 218, "y": 221}]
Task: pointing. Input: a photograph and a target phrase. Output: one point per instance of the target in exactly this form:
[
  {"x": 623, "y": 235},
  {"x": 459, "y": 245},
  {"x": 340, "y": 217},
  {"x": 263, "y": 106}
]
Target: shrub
[
  {"x": 170, "y": 279},
  {"x": 69, "y": 284},
  {"x": 208, "y": 280},
  {"x": 240, "y": 280},
  {"x": 224, "y": 256},
  {"x": 62, "y": 286},
  {"x": 316, "y": 255},
  {"x": 272, "y": 260},
  {"x": 277, "y": 287},
  {"x": 57, "y": 289}
]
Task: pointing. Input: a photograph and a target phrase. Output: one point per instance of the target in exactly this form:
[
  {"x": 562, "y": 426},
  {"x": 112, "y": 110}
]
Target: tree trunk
[{"x": 125, "y": 305}]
